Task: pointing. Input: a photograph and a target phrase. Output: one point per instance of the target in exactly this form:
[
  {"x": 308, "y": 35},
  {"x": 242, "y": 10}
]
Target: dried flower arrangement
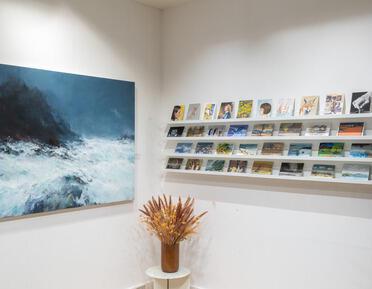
[{"x": 170, "y": 222}]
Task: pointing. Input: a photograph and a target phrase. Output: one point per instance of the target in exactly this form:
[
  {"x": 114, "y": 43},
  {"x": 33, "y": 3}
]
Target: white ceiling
[{"x": 162, "y": 4}]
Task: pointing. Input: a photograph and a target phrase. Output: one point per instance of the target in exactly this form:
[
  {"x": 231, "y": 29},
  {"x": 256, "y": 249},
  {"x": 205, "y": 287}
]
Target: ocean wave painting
[{"x": 66, "y": 141}]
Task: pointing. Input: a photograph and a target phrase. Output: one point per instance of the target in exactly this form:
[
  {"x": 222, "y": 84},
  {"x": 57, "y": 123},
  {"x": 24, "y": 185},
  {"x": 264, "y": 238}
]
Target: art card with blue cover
[
  {"x": 361, "y": 150},
  {"x": 66, "y": 141},
  {"x": 238, "y": 130},
  {"x": 183, "y": 148},
  {"x": 356, "y": 172},
  {"x": 300, "y": 149}
]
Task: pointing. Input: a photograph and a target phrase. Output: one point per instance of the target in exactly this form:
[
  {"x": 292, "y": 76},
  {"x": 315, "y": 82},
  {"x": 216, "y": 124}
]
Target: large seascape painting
[{"x": 66, "y": 141}]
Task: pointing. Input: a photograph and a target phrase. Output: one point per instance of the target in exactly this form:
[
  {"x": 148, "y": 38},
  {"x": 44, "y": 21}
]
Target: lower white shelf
[{"x": 276, "y": 177}]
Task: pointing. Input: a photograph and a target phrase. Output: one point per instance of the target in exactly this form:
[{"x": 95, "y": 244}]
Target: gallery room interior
[{"x": 185, "y": 144}]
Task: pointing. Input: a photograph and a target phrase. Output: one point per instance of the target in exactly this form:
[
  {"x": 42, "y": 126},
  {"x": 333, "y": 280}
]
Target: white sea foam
[{"x": 102, "y": 169}]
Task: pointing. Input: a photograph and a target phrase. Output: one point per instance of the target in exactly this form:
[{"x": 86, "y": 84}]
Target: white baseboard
[{"x": 148, "y": 285}]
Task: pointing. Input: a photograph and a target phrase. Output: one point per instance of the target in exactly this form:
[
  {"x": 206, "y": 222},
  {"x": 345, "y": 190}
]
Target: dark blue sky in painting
[{"x": 92, "y": 106}]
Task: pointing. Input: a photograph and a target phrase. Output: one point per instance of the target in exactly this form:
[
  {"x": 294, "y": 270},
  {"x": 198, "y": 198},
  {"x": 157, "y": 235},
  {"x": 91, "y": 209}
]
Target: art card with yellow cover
[
  {"x": 225, "y": 148},
  {"x": 245, "y": 109},
  {"x": 262, "y": 168},
  {"x": 209, "y": 111},
  {"x": 178, "y": 112}
]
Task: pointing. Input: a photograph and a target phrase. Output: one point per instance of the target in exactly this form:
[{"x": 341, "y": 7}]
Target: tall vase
[{"x": 170, "y": 258}]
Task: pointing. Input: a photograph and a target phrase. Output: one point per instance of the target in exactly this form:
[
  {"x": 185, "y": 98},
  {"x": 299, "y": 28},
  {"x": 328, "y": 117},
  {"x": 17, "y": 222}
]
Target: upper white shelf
[
  {"x": 274, "y": 138},
  {"x": 340, "y": 117}
]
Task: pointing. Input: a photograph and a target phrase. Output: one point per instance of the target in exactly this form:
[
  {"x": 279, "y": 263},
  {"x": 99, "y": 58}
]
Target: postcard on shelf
[
  {"x": 273, "y": 148},
  {"x": 238, "y": 130},
  {"x": 309, "y": 105},
  {"x": 195, "y": 131},
  {"x": 226, "y": 110},
  {"x": 265, "y": 129},
  {"x": 324, "y": 171},
  {"x": 247, "y": 149},
  {"x": 225, "y": 148},
  {"x": 361, "y": 150},
  {"x": 361, "y": 102},
  {"x": 183, "y": 148},
  {"x": 194, "y": 164},
  {"x": 174, "y": 163},
  {"x": 216, "y": 130},
  {"x": 262, "y": 168},
  {"x": 245, "y": 109},
  {"x": 204, "y": 148},
  {"x": 356, "y": 172},
  {"x": 331, "y": 149},
  {"x": 193, "y": 113},
  {"x": 351, "y": 129},
  {"x": 176, "y": 131},
  {"x": 300, "y": 150},
  {"x": 318, "y": 130},
  {"x": 334, "y": 103},
  {"x": 285, "y": 107},
  {"x": 209, "y": 111},
  {"x": 178, "y": 112},
  {"x": 215, "y": 165},
  {"x": 290, "y": 129},
  {"x": 292, "y": 169},
  {"x": 237, "y": 166},
  {"x": 264, "y": 108}
]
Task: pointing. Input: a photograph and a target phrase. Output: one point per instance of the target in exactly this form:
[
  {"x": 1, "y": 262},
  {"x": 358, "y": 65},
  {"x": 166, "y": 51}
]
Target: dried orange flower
[{"x": 171, "y": 223}]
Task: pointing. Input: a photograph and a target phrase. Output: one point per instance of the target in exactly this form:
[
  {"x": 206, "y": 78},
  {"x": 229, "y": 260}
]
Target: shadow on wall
[{"x": 337, "y": 199}]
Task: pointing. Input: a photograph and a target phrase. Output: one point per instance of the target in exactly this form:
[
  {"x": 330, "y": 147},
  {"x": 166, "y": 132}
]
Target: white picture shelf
[{"x": 332, "y": 120}]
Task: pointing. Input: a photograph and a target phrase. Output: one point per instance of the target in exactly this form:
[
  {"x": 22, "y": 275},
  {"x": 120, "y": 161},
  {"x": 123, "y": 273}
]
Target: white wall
[
  {"x": 276, "y": 234},
  {"x": 98, "y": 248}
]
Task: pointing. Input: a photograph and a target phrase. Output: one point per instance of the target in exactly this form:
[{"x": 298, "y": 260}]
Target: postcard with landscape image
[
  {"x": 290, "y": 129},
  {"x": 66, "y": 141},
  {"x": 194, "y": 164},
  {"x": 265, "y": 129},
  {"x": 318, "y": 130},
  {"x": 262, "y": 168},
  {"x": 351, "y": 129},
  {"x": 324, "y": 171},
  {"x": 238, "y": 130},
  {"x": 361, "y": 150},
  {"x": 174, "y": 163},
  {"x": 204, "y": 148},
  {"x": 215, "y": 165},
  {"x": 300, "y": 149},
  {"x": 356, "y": 172},
  {"x": 272, "y": 148},
  {"x": 176, "y": 131},
  {"x": 195, "y": 131},
  {"x": 292, "y": 169},
  {"x": 247, "y": 149},
  {"x": 183, "y": 148},
  {"x": 331, "y": 149},
  {"x": 237, "y": 166},
  {"x": 225, "y": 148}
]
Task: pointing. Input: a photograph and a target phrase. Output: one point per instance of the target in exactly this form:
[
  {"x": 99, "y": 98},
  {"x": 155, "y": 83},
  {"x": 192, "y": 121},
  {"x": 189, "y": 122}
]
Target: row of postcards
[
  {"x": 285, "y": 107},
  {"x": 267, "y": 129},
  {"x": 326, "y": 149},
  {"x": 359, "y": 172}
]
